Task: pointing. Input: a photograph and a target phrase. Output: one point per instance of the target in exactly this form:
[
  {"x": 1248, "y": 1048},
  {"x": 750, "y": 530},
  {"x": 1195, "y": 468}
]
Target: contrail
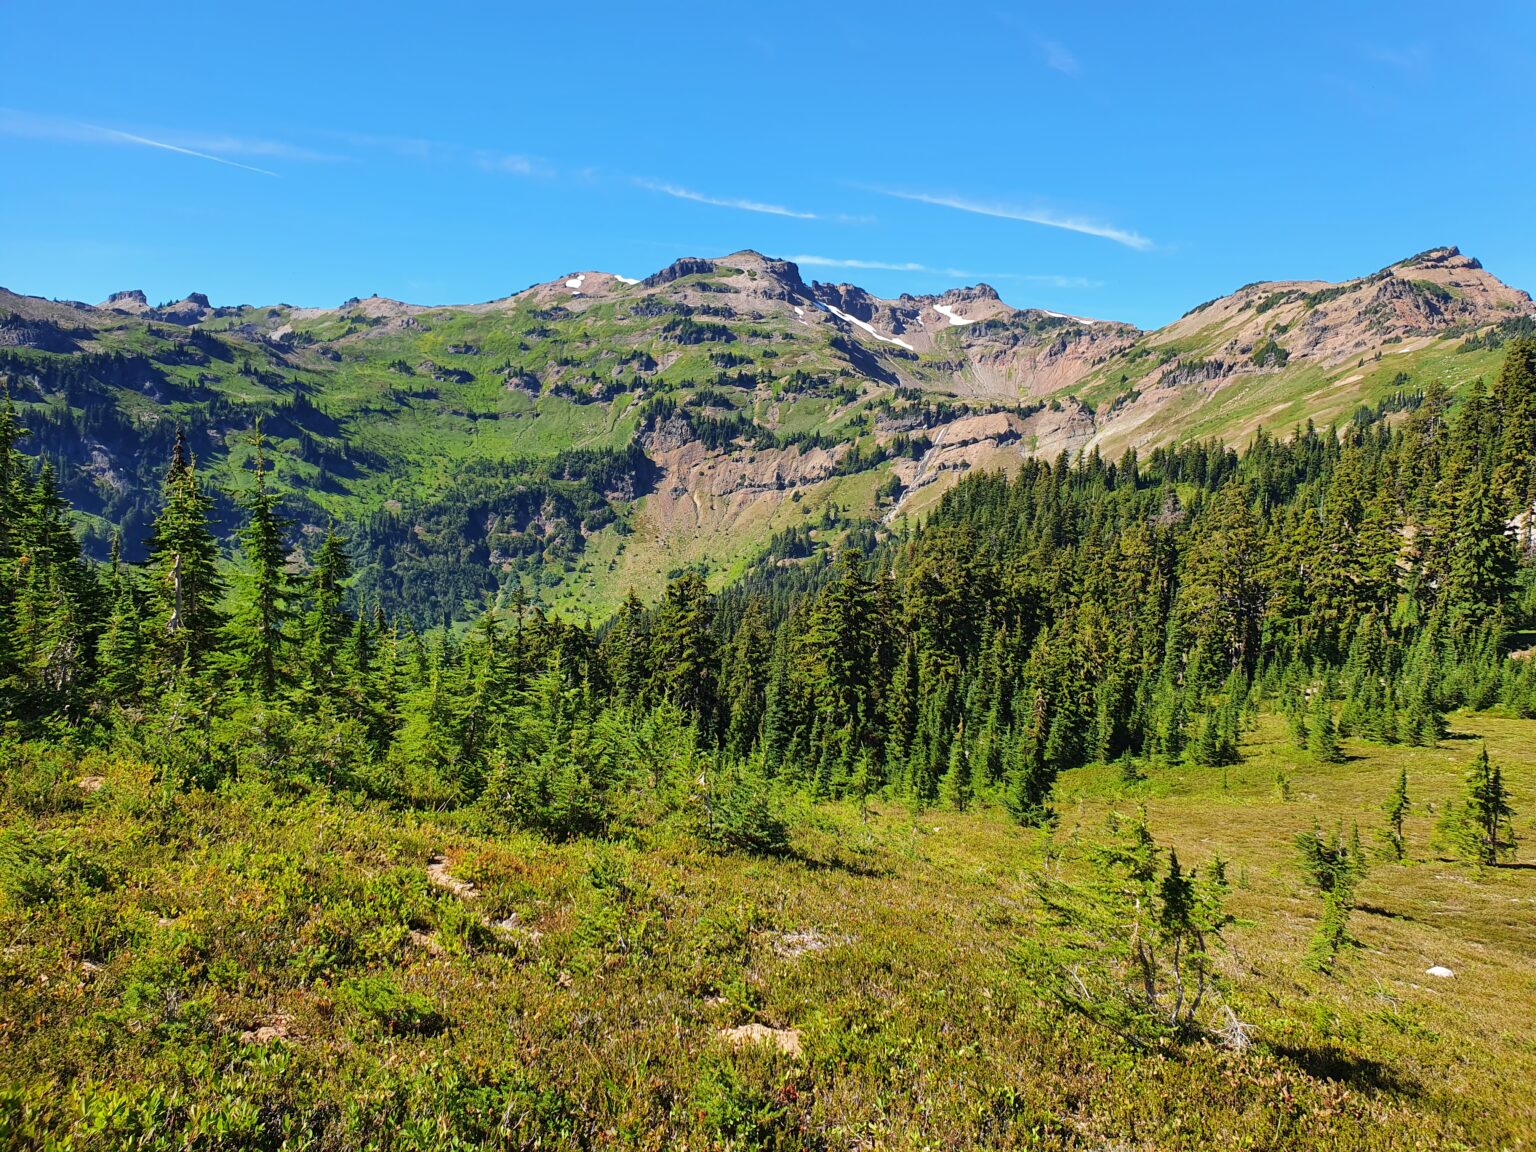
[{"x": 148, "y": 143}]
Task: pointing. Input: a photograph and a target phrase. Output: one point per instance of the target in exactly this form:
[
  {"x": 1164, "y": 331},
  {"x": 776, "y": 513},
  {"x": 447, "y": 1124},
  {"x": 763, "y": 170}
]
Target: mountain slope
[{"x": 594, "y": 432}]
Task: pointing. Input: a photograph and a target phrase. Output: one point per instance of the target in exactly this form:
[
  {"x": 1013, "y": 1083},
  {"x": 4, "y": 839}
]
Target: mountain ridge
[{"x": 761, "y": 403}]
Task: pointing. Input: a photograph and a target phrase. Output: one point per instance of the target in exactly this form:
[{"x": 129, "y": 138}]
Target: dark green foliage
[
  {"x": 1396, "y": 809},
  {"x": 1362, "y": 582},
  {"x": 1132, "y": 948},
  {"x": 185, "y": 585},
  {"x": 1322, "y": 735},
  {"x": 376, "y": 999},
  {"x": 1269, "y": 354},
  {"x": 1481, "y": 827},
  {"x": 1333, "y": 866}
]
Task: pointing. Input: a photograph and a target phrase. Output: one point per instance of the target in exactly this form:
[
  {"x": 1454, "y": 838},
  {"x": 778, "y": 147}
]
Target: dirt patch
[
  {"x": 513, "y": 928},
  {"x": 793, "y": 945},
  {"x": 277, "y": 1028},
  {"x": 92, "y": 783},
  {"x": 786, "y": 1040},
  {"x": 427, "y": 942}
]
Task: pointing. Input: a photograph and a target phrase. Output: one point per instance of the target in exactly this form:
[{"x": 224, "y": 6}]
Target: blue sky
[{"x": 1123, "y": 161}]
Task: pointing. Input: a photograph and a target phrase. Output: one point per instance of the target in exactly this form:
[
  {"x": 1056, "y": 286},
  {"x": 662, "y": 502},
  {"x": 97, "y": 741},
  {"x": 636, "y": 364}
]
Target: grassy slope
[{"x": 209, "y": 915}]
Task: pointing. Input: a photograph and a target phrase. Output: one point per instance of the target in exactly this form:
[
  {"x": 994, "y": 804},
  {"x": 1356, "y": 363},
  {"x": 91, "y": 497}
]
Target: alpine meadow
[{"x": 724, "y": 709}]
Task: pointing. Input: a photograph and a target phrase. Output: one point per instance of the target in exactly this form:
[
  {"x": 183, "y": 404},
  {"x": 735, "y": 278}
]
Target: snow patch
[
  {"x": 799, "y": 311},
  {"x": 625, "y": 279},
  {"x": 575, "y": 282},
  {"x": 951, "y": 315},
  {"x": 1065, "y": 316},
  {"x": 1439, "y": 970},
  {"x": 854, "y": 320}
]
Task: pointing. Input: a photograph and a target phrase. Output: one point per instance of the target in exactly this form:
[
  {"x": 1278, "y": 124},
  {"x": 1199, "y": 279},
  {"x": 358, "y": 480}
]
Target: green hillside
[{"x": 565, "y": 445}]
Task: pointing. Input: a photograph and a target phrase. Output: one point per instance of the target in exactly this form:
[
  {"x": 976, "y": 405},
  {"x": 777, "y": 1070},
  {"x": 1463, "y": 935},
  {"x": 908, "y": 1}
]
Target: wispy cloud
[
  {"x": 1054, "y": 281},
  {"x": 513, "y": 164},
  {"x": 421, "y": 151},
  {"x": 1058, "y": 57},
  {"x": 724, "y": 201},
  {"x": 130, "y": 138},
  {"x": 1042, "y": 216},
  {"x": 28, "y": 126},
  {"x": 880, "y": 265}
]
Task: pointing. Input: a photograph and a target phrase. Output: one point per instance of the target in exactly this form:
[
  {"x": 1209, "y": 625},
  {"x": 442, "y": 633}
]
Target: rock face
[
  {"x": 44, "y": 335},
  {"x": 688, "y": 266},
  {"x": 129, "y": 300}
]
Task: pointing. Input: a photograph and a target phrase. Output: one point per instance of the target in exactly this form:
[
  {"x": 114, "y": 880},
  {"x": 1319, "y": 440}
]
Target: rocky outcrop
[
  {"x": 130, "y": 300},
  {"x": 687, "y": 266},
  {"x": 44, "y": 335}
]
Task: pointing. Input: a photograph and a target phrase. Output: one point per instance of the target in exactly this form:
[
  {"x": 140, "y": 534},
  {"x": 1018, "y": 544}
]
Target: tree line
[{"x": 1363, "y": 581}]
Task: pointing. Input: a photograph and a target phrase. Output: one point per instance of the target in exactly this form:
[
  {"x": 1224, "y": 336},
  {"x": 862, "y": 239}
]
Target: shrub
[
  {"x": 1333, "y": 866},
  {"x": 399, "y": 1013},
  {"x": 1132, "y": 948}
]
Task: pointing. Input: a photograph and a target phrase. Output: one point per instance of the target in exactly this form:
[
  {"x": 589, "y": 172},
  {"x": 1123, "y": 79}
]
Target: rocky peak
[
  {"x": 687, "y": 266},
  {"x": 1448, "y": 257},
  {"x": 974, "y": 292},
  {"x": 849, "y": 298},
  {"x": 127, "y": 296},
  {"x": 785, "y": 272}
]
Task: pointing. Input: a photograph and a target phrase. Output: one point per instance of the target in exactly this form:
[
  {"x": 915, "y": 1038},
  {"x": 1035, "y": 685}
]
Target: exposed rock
[
  {"x": 687, "y": 266},
  {"x": 1439, "y": 970},
  {"x": 513, "y": 928},
  {"x": 44, "y": 335},
  {"x": 438, "y": 874},
  {"x": 92, "y": 783},
  {"x": 128, "y": 300}
]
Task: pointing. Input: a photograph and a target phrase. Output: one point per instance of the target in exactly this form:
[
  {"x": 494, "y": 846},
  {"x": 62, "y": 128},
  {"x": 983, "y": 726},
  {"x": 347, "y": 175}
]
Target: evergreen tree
[
  {"x": 1397, "y": 807},
  {"x": 185, "y": 586},
  {"x": 958, "y": 785},
  {"x": 1333, "y": 866},
  {"x": 261, "y": 629},
  {"x": 683, "y": 649},
  {"x": 1485, "y": 826},
  {"x": 1514, "y": 397},
  {"x": 1322, "y": 737},
  {"x": 327, "y": 625}
]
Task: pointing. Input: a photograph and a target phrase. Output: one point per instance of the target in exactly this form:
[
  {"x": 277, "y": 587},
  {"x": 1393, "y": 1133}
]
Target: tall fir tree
[{"x": 185, "y": 586}]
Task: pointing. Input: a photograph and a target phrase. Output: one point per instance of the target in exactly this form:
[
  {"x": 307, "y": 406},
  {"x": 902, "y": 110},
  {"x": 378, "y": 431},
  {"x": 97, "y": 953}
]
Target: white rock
[{"x": 1439, "y": 970}]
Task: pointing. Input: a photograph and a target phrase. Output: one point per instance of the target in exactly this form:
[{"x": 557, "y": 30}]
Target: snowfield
[{"x": 841, "y": 315}]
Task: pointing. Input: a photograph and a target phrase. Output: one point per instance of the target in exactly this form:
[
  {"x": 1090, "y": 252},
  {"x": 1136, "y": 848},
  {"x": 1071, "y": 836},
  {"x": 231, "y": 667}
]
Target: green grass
[{"x": 150, "y": 935}]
